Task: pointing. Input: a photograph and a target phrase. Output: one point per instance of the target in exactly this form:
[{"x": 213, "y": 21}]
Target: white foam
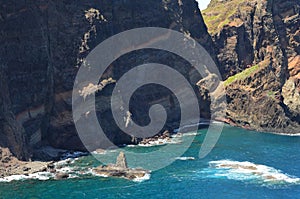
[
  {"x": 160, "y": 142},
  {"x": 37, "y": 176},
  {"x": 152, "y": 143},
  {"x": 62, "y": 168},
  {"x": 99, "y": 175},
  {"x": 64, "y": 162},
  {"x": 65, "y": 169},
  {"x": 288, "y": 134},
  {"x": 190, "y": 134},
  {"x": 72, "y": 176},
  {"x": 141, "y": 179},
  {"x": 90, "y": 171},
  {"x": 12, "y": 178},
  {"x": 177, "y": 135},
  {"x": 101, "y": 152},
  {"x": 185, "y": 158},
  {"x": 249, "y": 171}
]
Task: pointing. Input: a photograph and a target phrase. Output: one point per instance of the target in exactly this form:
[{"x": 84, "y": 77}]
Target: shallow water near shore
[{"x": 243, "y": 164}]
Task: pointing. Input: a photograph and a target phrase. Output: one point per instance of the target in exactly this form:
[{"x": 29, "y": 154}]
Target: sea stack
[{"x": 121, "y": 161}]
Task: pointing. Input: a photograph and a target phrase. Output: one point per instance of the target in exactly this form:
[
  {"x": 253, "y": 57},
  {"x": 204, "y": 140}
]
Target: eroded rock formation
[{"x": 263, "y": 35}]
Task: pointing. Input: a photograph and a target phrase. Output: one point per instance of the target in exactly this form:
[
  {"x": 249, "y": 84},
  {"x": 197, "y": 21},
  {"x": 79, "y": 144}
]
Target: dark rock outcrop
[
  {"x": 44, "y": 42},
  {"x": 60, "y": 176},
  {"x": 12, "y": 133}
]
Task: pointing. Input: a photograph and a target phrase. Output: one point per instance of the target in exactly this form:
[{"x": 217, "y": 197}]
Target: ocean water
[{"x": 243, "y": 164}]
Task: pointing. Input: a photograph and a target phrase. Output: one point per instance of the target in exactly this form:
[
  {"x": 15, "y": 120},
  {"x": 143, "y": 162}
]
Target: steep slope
[
  {"x": 262, "y": 37},
  {"x": 44, "y": 42}
]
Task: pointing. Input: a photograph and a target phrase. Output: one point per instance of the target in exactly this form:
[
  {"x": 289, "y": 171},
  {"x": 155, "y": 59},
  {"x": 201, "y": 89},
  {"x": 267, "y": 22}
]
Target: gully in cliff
[{"x": 121, "y": 170}]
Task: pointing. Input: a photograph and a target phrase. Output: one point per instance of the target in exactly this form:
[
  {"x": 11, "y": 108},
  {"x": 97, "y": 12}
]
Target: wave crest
[{"x": 248, "y": 171}]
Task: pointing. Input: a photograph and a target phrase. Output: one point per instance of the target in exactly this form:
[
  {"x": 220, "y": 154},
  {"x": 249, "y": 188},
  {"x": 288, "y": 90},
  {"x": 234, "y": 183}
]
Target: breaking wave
[
  {"x": 37, "y": 176},
  {"x": 141, "y": 179},
  {"x": 248, "y": 171},
  {"x": 63, "y": 167},
  {"x": 185, "y": 158}
]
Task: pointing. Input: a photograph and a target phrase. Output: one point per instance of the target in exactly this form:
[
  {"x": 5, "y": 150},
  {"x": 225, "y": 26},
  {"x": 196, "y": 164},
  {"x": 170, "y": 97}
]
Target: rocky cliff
[
  {"x": 44, "y": 42},
  {"x": 258, "y": 50}
]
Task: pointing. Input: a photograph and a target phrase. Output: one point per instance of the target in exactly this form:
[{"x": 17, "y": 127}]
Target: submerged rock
[{"x": 60, "y": 176}]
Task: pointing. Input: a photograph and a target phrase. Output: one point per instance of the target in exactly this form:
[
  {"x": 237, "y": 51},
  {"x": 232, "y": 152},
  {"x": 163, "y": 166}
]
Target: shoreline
[
  {"x": 11, "y": 166},
  {"x": 233, "y": 124}
]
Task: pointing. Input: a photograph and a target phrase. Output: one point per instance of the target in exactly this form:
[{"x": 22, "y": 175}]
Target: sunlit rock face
[{"x": 259, "y": 41}]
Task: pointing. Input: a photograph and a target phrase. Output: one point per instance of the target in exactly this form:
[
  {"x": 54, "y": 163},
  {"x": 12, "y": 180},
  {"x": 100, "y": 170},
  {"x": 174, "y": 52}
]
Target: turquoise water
[{"x": 276, "y": 158}]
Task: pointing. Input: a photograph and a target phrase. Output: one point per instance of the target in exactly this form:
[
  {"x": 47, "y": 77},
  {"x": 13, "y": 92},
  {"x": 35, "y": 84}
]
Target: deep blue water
[{"x": 278, "y": 155}]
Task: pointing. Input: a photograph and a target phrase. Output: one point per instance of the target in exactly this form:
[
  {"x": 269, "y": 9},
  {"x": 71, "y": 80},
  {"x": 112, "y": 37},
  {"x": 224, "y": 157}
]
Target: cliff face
[
  {"x": 258, "y": 50},
  {"x": 44, "y": 42}
]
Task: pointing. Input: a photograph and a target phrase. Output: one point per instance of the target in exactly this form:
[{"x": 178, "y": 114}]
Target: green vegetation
[
  {"x": 220, "y": 13},
  {"x": 242, "y": 75},
  {"x": 272, "y": 94}
]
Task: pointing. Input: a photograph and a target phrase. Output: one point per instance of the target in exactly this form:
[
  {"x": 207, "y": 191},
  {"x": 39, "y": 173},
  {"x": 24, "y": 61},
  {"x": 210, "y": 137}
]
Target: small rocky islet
[{"x": 120, "y": 169}]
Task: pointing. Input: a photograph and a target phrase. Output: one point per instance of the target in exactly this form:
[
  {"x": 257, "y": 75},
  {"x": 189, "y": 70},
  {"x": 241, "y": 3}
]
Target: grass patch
[
  {"x": 242, "y": 75},
  {"x": 218, "y": 14},
  {"x": 272, "y": 94}
]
